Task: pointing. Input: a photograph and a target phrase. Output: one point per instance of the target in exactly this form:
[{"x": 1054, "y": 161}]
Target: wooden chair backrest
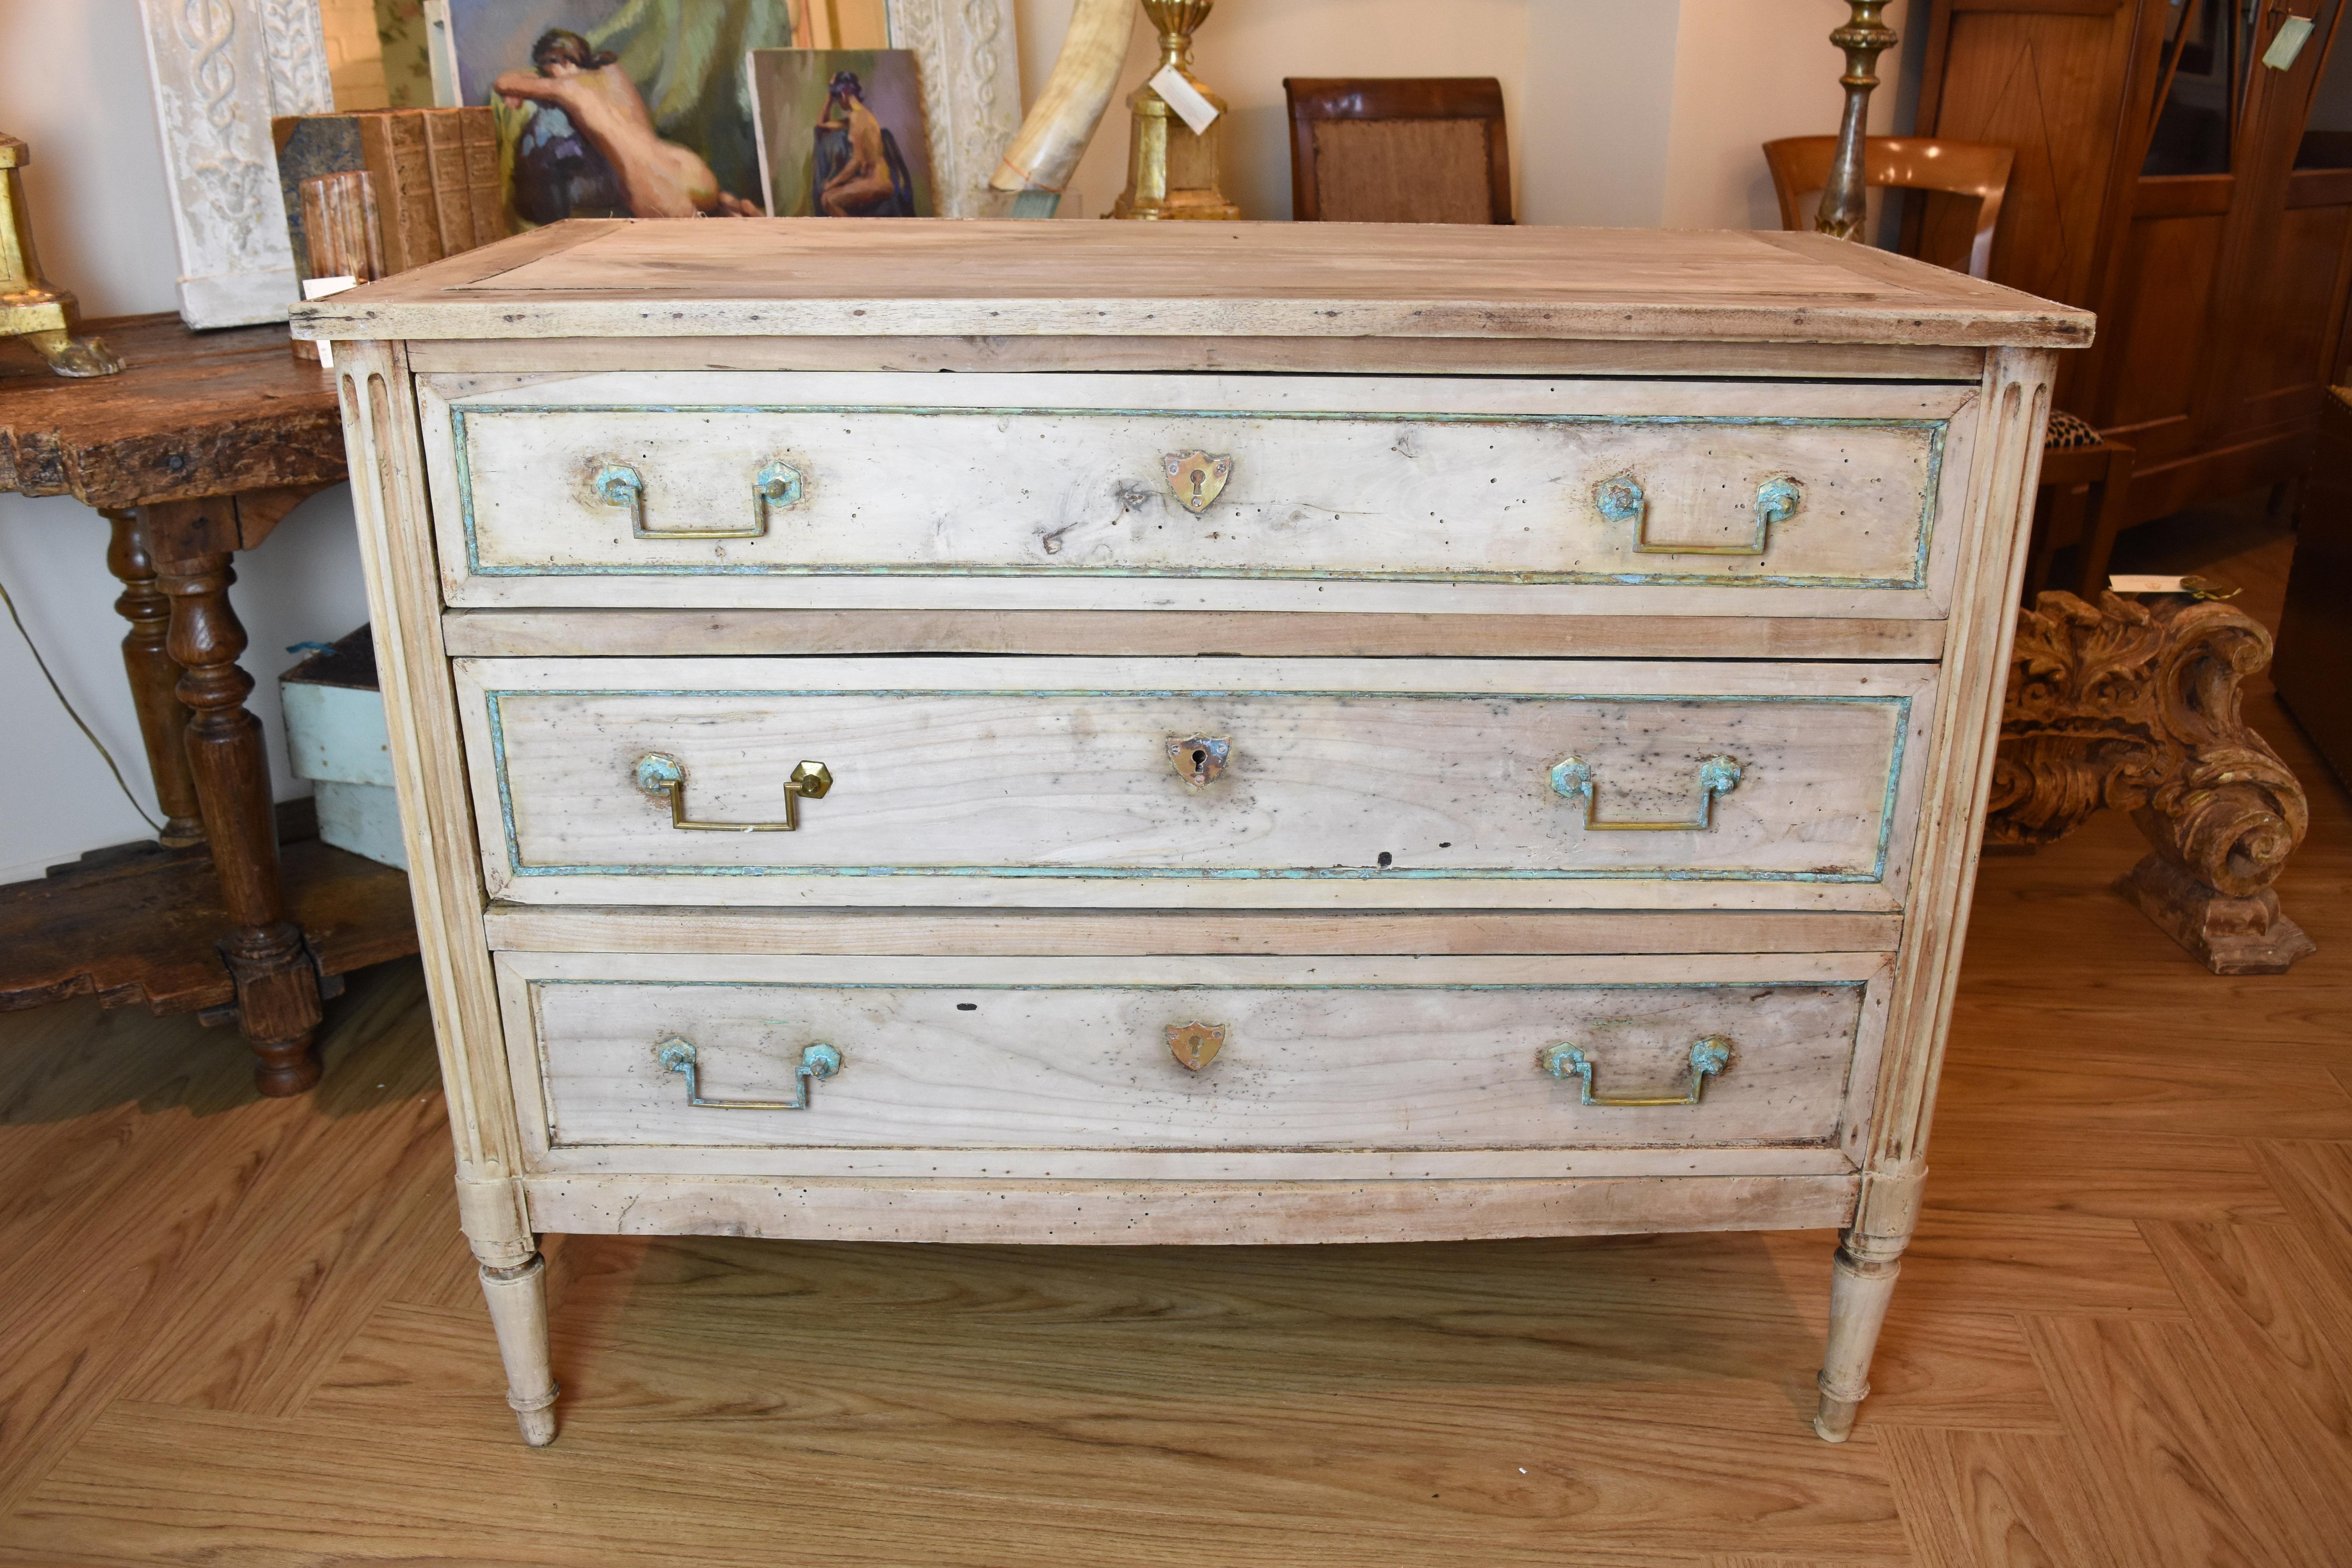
[
  {"x": 1967, "y": 181},
  {"x": 1398, "y": 150}
]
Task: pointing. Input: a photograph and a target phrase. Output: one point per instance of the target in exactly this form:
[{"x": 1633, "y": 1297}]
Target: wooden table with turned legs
[{"x": 201, "y": 446}]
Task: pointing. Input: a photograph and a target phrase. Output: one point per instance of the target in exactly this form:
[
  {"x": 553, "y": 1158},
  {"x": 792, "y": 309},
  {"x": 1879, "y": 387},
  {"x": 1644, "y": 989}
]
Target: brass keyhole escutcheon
[
  {"x": 1195, "y": 1046},
  {"x": 1199, "y": 760},
  {"x": 1197, "y": 478}
]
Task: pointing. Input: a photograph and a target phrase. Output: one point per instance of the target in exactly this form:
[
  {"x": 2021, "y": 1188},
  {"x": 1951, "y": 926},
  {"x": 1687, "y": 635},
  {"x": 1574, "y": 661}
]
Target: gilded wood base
[{"x": 2134, "y": 705}]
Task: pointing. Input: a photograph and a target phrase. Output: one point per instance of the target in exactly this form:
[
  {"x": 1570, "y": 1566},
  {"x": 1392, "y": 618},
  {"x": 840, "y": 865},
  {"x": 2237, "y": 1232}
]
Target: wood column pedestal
[
  {"x": 154, "y": 677},
  {"x": 278, "y": 1005},
  {"x": 196, "y": 450},
  {"x": 2134, "y": 705}
]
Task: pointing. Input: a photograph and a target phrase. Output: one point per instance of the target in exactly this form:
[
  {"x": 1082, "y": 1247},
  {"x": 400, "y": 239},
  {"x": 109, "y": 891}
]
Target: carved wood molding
[
  {"x": 219, "y": 70},
  {"x": 971, "y": 67},
  {"x": 2131, "y": 705}
]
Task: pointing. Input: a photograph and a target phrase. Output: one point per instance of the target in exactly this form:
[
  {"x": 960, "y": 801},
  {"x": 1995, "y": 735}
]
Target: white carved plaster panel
[
  {"x": 967, "y": 52},
  {"x": 220, "y": 69}
]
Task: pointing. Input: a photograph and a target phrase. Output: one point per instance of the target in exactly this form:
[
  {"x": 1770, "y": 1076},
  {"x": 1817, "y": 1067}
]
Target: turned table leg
[
  {"x": 276, "y": 982},
  {"x": 1862, "y": 1283},
  {"x": 154, "y": 679},
  {"x": 517, "y": 1294}
]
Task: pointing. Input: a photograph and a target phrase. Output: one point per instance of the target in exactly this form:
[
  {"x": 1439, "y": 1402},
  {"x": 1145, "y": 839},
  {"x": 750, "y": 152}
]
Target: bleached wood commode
[{"x": 1308, "y": 733}]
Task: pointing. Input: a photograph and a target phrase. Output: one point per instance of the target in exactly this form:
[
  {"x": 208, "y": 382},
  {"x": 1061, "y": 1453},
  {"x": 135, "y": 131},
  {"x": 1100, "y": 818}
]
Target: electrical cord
[{"x": 63, "y": 701}]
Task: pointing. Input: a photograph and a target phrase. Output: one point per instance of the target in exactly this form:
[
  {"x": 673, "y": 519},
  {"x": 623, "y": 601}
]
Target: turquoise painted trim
[
  {"x": 1877, "y": 873},
  {"x": 1937, "y": 430}
]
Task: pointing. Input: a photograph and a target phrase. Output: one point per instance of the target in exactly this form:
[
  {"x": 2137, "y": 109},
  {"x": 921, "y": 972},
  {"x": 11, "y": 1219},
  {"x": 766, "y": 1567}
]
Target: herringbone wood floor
[{"x": 244, "y": 1332}]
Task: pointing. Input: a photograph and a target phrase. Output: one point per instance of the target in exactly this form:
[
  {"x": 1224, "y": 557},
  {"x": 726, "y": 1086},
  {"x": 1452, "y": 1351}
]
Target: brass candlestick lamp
[
  {"x": 1171, "y": 170},
  {"x": 29, "y": 309},
  {"x": 1844, "y": 199}
]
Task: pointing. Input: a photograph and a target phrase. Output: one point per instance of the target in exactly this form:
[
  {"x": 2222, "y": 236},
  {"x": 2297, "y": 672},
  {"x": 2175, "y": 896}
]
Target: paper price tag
[
  {"x": 1184, "y": 98},
  {"x": 318, "y": 289},
  {"x": 2287, "y": 42},
  {"x": 2194, "y": 586}
]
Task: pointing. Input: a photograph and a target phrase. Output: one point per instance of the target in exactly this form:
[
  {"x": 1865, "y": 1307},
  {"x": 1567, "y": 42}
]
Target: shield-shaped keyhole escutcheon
[
  {"x": 1200, "y": 759},
  {"x": 1195, "y": 1046},
  {"x": 1197, "y": 478}
]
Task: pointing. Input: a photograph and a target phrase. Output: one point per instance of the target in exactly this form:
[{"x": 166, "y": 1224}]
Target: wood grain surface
[
  {"x": 619, "y": 633},
  {"x": 1352, "y": 356},
  {"x": 1344, "y": 1067},
  {"x": 247, "y": 1330},
  {"x": 785, "y": 277},
  {"x": 978, "y": 481},
  {"x": 192, "y": 414},
  {"x": 138, "y": 925},
  {"x": 1049, "y": 782}
]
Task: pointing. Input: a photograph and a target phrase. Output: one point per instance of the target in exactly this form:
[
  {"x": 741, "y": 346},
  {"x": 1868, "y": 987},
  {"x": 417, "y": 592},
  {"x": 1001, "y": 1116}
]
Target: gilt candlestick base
[
  {"x": 1171, "y": 170},
  {"x": 29, "y": 309}
]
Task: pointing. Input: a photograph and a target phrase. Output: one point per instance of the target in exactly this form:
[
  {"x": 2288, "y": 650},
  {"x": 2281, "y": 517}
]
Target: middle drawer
[{"x": 1197, "y": 782}]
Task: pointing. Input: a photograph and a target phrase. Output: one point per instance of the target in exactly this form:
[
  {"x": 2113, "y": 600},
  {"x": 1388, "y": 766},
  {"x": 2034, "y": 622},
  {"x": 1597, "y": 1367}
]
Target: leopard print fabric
[{"x": 2068, "y": 430}]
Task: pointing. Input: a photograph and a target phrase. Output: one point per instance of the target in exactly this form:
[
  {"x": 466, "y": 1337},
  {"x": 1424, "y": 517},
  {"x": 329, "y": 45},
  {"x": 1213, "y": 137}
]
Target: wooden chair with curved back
[
  {"x": 2085, "y": 479},
  {"x": 1398, "y": 150},
  {"x": 1970, "y": 178}
]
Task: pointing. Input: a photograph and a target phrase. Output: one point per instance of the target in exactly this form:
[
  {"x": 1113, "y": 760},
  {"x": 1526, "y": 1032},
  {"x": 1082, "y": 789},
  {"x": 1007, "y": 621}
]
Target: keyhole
[{"x": 1199, "y": 757}]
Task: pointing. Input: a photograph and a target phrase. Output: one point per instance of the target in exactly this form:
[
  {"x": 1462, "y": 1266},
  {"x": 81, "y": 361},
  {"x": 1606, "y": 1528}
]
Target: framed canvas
[
  {"x": 617, "y": 108},
  {"x": 967, "y": 57},
  {"x": 219, "y": 72},
  {"x": 841, "y": 133}
]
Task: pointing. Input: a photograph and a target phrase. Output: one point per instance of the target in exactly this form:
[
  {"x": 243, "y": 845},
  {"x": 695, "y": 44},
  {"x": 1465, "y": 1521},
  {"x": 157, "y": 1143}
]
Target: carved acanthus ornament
[{"x": 2132, "y": 705}]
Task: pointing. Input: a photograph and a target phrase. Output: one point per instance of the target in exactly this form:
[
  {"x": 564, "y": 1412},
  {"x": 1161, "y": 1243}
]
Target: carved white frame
[
  {"x": 220, "y": 69},
  {"x": 969, "y": 58}
]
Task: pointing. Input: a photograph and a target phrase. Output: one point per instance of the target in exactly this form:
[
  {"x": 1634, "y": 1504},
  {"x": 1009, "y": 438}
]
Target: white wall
[
  {"x": 1590, "y": 146},
  {"x": 1745, "y": 72},
  {"x": 1247, "y": 47},
  {"x": 73, "y": 84},
  {"x": 1621, "y": 112}
]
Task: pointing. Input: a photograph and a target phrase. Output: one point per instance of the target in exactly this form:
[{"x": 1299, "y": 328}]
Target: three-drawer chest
[{"x": 1190, "y": 734}]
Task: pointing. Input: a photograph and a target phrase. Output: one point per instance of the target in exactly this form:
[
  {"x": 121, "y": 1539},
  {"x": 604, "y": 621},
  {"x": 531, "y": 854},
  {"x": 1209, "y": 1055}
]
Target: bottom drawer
[{"x": 1306, "y": 1068}]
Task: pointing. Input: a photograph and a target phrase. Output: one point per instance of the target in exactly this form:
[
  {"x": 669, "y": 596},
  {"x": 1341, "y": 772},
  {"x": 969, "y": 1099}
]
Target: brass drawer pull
[
  {"x": 677, "y": 1055},
  {"x": 1718, "y": 775},
  {"x": 661, "y": 775},
  {"x": 1620, "y": 499},
  {"x": 776, "y": 485},
  {"x": 1708, "y": 1057}
]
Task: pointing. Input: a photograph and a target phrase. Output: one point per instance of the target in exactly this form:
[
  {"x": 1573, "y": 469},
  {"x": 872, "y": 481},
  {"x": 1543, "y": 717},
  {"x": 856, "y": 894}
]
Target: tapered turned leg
[
  {"x": 277, "y": 983},
  {"x": 154, "y": 679},
  {"x": 1862, "y": 1282},
  {"x": 518, "y": 1298}
]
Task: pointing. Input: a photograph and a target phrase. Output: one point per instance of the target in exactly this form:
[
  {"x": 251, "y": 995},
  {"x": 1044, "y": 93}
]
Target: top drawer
[{"x": 793, "y": 489}]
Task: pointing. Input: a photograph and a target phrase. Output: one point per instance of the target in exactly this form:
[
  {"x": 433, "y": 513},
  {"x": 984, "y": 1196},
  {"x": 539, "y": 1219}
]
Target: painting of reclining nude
[
  {"x": 619, "y": 108},
  {"x": 842, "y": 133}
]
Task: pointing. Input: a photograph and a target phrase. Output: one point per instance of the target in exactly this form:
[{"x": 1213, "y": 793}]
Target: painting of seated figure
[
  {"x": 841, "y": 133},
  {"x": 618, "y": 107}
]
